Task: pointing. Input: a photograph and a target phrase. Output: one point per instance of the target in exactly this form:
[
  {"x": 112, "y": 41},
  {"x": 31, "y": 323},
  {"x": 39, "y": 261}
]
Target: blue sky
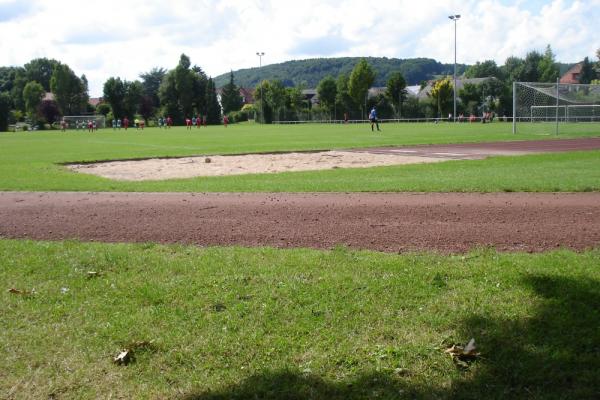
[{"x": 127, "y": 37}]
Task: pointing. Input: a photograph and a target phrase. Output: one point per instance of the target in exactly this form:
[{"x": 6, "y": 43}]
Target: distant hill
[{"x": 310, "y": 72}]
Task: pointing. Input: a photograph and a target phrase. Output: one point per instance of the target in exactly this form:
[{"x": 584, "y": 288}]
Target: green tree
[
  {"x": 184, "y": 84},
  {"x": 547, "y": 66},
  {"x": 5, "y": 106},
  {"x": 133, "y": 97},
  {"x": 151, "y": 83},
  {"x": 441, "y": 96},
  {"x": 33, "y": 93},
  {"x": 230, "y": 96},
  {"x": 327, "y": 91},
  {"x": 484, "y": 69},
  {"x": 199, "y": 88},
  {"x": 263, "y": 106},
  {"x": 213, "y": 109},
  {"x": 343, "y": 99},
  {"x": 513, "y": 69},
  {"x": 396, "y": 91},
  {"x": 114, "y": 94},
  {"x": 41, "y": 71},
  {"x": 531, "y": 67},
  {"x": 361, "y": 79},
  {"x": 587, "y": 71},
  {"x": 69, "y": 90},
  {"x": 169, "y": 98}
]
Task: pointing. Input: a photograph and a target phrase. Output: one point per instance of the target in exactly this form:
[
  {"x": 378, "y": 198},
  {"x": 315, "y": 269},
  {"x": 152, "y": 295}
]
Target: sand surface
[{"x": 189, "y": 167}]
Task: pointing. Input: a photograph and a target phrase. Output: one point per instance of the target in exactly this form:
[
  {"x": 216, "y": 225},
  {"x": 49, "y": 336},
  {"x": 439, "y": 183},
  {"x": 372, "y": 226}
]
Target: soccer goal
[
  {"x": 78, "y": 122},
  {"x": 549, "y": 108}
]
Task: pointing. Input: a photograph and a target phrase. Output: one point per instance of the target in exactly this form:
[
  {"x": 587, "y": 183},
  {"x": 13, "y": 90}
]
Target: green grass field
[
  {"x": 296, "y": 324},
  {"x": 31, "y": 161}
]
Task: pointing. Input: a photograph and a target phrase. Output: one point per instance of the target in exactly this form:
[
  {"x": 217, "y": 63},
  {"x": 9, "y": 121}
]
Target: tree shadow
[
  {"x": 552, "y": 354},
  {"x": 294, "y": 386}
]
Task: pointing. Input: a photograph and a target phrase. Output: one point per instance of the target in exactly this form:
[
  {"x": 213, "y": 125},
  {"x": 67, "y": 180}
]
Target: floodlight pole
[
  {"x": 557, "y": 98},
  {"x": 260, "y": 54},
  {"x": 454, "y": 18}
]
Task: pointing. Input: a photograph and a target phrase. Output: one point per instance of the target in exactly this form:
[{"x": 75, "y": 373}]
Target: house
[
  {"x": 573, "y": 74},
  {"x": 94, "y": 101},
  {"x": 246, "y": 94}
]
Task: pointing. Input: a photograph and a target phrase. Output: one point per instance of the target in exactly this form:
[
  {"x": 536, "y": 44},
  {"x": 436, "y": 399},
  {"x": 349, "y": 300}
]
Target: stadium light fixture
[
  {"x": 454, "y": 18},
  {"x": 260, "y": 55}
]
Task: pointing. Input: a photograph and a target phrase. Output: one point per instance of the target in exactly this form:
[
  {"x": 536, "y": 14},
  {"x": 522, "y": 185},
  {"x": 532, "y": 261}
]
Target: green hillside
[{"x": 310, "y": 72}]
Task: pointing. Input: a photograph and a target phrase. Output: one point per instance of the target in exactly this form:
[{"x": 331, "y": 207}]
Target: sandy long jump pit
[
  {"x": 190, "y": 167},
  {"x": 221, "y": 165}
]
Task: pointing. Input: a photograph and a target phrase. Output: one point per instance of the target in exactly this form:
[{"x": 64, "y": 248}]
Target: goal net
[
  {"x": 546, "y": 108},
  {"x": 81, "y": 121}
]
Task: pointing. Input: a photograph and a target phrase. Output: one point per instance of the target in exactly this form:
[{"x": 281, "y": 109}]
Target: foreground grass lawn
[
  {"x": 224, "y": 323},
  {"x": 31, "y": 161}
]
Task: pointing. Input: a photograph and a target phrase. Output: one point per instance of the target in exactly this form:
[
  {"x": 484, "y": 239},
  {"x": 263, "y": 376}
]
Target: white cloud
[{"x": 127, "y": 37}]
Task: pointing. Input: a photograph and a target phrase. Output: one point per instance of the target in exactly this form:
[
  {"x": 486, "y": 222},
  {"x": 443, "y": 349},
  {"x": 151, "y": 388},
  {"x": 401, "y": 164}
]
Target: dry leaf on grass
[
  {"x": 127, "y": 355},
  {"x": 124, "y": 357},
  {"x": 21, "y": 292},
  {"x": 461, "y": 354},
  {"x": 92, "y": 274}
]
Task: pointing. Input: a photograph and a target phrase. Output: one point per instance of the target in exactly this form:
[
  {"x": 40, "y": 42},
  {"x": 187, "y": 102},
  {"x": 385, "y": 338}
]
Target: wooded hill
[{"x": 310, "y": 72}]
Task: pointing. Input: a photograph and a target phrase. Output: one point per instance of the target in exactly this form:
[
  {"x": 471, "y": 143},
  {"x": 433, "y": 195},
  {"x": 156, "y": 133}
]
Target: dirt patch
[
  {"x": 445, "y": 222},
  {"x": 189, "y": 167}
]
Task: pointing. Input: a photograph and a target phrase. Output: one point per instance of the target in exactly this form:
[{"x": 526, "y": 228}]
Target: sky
[{"x": 123, "y": 38}]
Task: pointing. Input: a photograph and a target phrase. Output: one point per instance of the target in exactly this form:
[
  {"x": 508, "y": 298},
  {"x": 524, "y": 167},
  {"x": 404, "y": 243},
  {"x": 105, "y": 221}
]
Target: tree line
[
  {"x": 346, "y": 96},
  {"x": 23, "y": 92},
  {"x": 186, "y": 91}
]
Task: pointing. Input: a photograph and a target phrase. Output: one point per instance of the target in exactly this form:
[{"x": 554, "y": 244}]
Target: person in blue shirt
[{"x": 373, "y": 119}]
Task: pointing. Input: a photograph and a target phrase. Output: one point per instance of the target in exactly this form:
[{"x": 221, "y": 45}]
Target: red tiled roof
[{"x": 572, "y": 75}]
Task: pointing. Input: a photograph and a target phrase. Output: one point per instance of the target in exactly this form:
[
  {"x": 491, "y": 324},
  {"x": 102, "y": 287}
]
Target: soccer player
[
  {"x": 125, "y": 123},
  {"x": 63, "y": 125},
  {"x": 119, "y": 124},
  {"x": 194, "y": 120},
  {"x": 225, "y": 120},
  {"x": 198, "y": 122},
  {"x": 373, "y": 119},
  {"x": 94, "y": 126},
  {"x": 114, "y": 124},
  {"x": 188, "y": 123},
  {"x": 204, "y": 120}
]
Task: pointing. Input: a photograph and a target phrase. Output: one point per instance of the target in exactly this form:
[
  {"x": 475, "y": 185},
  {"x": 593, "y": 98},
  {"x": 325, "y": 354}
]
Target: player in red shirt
[
  {"x": 125, "y": 123},
  {"x": 188, "y": 123},
  {"x": 198, "y": 122},
  {"x": 225, "y": 120},
  {"x": 204, "y": 120}
]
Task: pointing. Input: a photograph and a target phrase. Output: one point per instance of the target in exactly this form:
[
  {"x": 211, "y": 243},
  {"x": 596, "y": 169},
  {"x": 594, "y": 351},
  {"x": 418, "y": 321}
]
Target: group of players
[
  {"x": 117, "y": 123},
  {"x": 137, "y": 123},
  {"x": 91, "y": 125}
]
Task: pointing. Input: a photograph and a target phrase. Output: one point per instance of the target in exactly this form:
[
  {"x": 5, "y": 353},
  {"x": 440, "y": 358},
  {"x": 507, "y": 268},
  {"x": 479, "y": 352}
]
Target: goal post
[{"x": 545, "y": 108}]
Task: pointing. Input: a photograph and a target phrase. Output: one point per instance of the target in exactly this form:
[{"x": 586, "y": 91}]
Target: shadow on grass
[{"x": 552, "y": 354}]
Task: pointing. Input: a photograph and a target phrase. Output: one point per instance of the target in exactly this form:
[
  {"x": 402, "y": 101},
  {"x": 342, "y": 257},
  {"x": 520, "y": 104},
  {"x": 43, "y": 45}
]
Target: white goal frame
[
  {"x": 73, "y": 119},
  {"x": 555, "y": 103}
]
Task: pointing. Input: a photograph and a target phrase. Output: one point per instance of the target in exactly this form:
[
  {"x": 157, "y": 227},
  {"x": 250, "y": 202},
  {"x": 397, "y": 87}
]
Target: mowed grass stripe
[
  {"x": 31, "y": 161},
  {"x": 266, "y": 323}
]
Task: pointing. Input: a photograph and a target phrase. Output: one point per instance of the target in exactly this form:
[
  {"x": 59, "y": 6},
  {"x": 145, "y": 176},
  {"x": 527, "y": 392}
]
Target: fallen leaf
[
  {"x": 21, "y": 292},
  {"x": 124, "y": 357},
  {"x": 92, "y": 274},
  {"x": 461, "y": 354}
]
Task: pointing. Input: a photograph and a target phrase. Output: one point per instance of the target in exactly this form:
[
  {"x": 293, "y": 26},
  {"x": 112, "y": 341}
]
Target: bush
[{"x": 238, "y": 116}]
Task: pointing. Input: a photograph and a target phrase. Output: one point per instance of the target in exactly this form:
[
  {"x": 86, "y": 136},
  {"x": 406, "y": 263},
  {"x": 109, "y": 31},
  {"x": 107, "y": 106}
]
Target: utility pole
[{"x": 260, "y": 54}]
